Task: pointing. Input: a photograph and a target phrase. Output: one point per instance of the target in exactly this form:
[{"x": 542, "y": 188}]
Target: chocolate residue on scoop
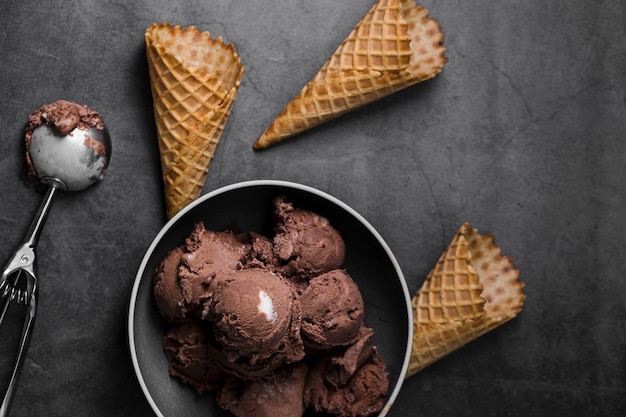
[{"x": 63, "y": 116}]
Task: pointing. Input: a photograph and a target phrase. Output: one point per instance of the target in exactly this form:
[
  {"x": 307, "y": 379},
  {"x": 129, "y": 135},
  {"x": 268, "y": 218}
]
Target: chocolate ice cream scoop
[
  {"x": 332, "y": 311},
  {"x": 186, "y": 276},
  {"x": 186, "y": 349},
  {"x": 67, "y": 145},
  {"x": 305, "y": 242},
  {"x": 168, "y": 293},
  {"x": 278, "y": 394},
  {"x": 363, "y": 395},
  {"x": 252, "y": 313}
]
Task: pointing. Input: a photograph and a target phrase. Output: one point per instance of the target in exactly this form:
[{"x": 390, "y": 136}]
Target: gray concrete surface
[{"x": 522, "y": 135}]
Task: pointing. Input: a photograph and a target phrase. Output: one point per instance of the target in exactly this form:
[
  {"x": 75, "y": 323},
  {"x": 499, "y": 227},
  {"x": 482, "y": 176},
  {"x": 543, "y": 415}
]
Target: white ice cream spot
[{"x": 266, "y": 306}]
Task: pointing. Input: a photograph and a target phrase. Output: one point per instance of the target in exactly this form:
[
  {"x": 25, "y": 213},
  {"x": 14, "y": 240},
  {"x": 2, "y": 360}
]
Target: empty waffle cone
[
  {"x": 394, "y": 46},
  {"x": 194, "y": 81},
  {"x": 471, "y": 290}
]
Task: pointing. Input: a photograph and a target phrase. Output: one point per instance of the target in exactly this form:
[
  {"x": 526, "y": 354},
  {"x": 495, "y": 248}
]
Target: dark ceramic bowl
[{"x": 248, "y": 206}]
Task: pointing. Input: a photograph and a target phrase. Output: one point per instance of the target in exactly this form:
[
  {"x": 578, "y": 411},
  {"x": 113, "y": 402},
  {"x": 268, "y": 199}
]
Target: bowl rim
[{"x": 248, "y": 184}]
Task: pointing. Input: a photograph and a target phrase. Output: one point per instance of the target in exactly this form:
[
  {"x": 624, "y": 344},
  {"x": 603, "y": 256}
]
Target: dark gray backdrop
[{"x": 522, "y": 135}]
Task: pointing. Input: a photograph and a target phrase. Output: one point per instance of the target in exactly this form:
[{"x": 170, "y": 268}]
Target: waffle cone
[
  {"x": 471, "y": 290},
  {"x": 194, "y": 81},
  {"x": 394, "y": 46}
]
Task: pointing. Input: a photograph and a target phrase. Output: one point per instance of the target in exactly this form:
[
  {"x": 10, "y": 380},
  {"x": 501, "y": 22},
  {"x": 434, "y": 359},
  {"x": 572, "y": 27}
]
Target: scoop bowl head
[{"x": 73, "y": 161}]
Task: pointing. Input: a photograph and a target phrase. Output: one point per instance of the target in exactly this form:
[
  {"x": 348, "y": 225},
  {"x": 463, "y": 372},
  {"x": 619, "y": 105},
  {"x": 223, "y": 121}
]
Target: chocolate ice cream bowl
[{"x": 247, "y": 206}]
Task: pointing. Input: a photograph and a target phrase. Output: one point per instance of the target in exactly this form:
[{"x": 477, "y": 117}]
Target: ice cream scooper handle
[
  {"x": 22, "y": 265},
  {"x": 31, "y": 285}
]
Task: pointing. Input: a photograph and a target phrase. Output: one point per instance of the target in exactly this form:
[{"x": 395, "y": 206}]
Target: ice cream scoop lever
[{"x": 71, "y": 161}]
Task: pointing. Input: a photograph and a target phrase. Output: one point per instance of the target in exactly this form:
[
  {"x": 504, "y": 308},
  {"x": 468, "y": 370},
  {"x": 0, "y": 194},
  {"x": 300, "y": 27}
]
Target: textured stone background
[{"x": 522, "y": 135}]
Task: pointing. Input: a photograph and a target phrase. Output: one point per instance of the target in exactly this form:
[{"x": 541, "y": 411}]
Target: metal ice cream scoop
[
  {"x": 63, "y": 162},
  {"x": 73, "y": 161}
]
